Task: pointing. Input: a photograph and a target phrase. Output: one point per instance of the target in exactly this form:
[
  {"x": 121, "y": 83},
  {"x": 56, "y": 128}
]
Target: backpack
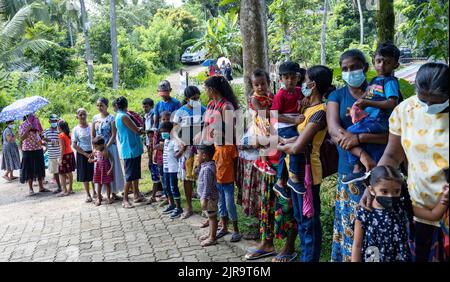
[
  {"x": 136, "y": 118},
  {"x": 329, "y": 156}
]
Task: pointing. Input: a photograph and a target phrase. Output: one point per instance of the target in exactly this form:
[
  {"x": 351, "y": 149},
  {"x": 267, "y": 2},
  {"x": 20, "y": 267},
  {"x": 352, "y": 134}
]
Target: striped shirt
[
  {"x": 52, "y": 145},
  {"x": 206, "y": 182}
]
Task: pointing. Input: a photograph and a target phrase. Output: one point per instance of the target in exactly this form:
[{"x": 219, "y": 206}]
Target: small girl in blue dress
[{"x": 382, "y": 234}]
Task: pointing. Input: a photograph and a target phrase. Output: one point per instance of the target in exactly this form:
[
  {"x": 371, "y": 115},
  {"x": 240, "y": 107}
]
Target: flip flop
[
  {"x": 208, "y": 242},
  {"x": 31, "y": 193},
  {"x": 204, "y": 224},
  {"x": 280, "y": 257},
  {"x": 221, "y": 233},
  {"x": 44, "y": 191},
  {"x": 236, "y": 237},
  {"x": 255, "y": 253},
  {"x": 6, "y": 178},
  {"x": 204, "y": 237},
  {"x": 139, "y": 200},
  {"x": 187, "y": 215},
  {"x": 127, "y": 205}
]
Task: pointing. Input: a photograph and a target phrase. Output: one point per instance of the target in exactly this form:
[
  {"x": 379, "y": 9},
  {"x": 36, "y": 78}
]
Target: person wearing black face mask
[{"x": 381, "y": 234}]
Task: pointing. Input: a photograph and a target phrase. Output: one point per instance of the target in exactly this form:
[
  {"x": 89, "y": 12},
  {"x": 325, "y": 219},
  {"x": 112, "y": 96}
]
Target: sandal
[
  {"x": 204, "y": 237},
  {"x": 208, "y": 242},
  {"x": 116, "y": 198},
  {"x": 236, "y": 237},
  {"x": 44, "y": 190},
  {"x": 98, "y": 202},
  {"x": 127, "y": 205},
  {"x": 88, "y": 200},
  {"x": 255, "y": 253},
  {"x": 57, "y": 191},
  {"x": 62, "y": 194},
  {"x": 283, "y": 257},
  {"x": 31, "y": 193},
  {"x": 14, "y": 178},
  {"x": 139, "y": 200},
  {"x": 187, "y": 215},
  {"x": 221, "y": 233},
  {"x": 205, "y": 224},
  {"x": 109, "y": 201},
  {"x": 7, "y": 178}
]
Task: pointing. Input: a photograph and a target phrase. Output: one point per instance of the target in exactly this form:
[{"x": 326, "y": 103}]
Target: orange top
[
  {"x": 66, "y": 139},
  {"x": 224, "y": 158}
]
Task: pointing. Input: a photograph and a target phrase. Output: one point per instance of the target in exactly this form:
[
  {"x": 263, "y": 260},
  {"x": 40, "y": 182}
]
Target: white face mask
[
  {"x": 12, "y": 126},
  {"x": 435, "y": 108}
]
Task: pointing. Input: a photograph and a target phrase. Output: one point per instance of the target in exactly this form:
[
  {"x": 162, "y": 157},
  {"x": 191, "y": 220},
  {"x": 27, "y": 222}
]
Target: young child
[
  {"x": 103, "y": 173},
  {"x": 288, "y": 103},
  {"x": 209, "y": 196},
  {"x": 81, "y": 142},
  {"x": 53, "y": 149},
  {"x": 147, "y": 106},
  {"x": 370, "y": 114},
  {"x": 383, "y": 233},
  {"x": 261, "y": 100},
  {"x": 158, "y": 151},
  {"x": 67, "y": 163},
  {"x": 167, "y": 104},
  {"x": 171, "y": 156}
]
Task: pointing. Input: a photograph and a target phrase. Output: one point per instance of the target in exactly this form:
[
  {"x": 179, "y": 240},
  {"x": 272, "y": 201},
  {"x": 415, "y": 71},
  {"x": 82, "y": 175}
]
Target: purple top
[{"x": 206, "y": 182}]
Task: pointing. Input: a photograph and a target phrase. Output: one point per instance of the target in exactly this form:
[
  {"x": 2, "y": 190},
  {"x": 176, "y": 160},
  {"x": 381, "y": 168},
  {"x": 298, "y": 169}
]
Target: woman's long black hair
[
  {"x": 64, "y": 126},
  {"x": 221, "y": 85},
  {"x": 190, "y": 92},
  {"x": 323, "y": 77}
]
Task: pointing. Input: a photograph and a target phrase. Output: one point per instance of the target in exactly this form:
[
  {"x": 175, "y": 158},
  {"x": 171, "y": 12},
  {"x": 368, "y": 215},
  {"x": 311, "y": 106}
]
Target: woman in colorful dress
[
  {"x": 338, "y": 120},
  {"x": 104, "y": 125}
]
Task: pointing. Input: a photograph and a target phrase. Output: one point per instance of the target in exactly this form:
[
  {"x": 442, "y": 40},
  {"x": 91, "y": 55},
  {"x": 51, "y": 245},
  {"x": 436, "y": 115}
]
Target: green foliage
[
  {"x": 222, "y": 38},
  {"x": 56, "y": 61},
  {"x": 181, "y": 19}
]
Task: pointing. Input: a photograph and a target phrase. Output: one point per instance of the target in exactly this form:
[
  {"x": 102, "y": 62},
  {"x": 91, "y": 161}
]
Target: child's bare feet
[{"x": 98, "y": 202}]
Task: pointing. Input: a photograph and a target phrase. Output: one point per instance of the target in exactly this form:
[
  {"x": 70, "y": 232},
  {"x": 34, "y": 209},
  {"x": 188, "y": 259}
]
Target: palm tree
[
  {"x": 13, "y": 43},
  {"x": 114, "y": 53},
  {"x": 87, "y": 45}
]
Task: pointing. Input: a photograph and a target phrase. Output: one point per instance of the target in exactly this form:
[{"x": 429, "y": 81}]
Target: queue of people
[{"x": 392, "y": 174}]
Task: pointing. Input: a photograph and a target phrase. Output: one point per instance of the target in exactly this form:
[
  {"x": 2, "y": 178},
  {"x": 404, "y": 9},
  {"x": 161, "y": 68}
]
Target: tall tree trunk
[
  {"x": 386, "y": 21},
  {"x": 87, "y": 45},
  {"x": 361, "y": 22},
  {"x": 323, "y": 37},
  {"x": 253, "y": 22},
  {"x": 69, "y": 27},
  {"x": 115, "y": 59}
]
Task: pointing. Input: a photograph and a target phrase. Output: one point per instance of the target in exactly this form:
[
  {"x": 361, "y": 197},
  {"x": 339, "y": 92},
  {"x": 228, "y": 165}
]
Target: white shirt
[{"x": 170, "y": 162}]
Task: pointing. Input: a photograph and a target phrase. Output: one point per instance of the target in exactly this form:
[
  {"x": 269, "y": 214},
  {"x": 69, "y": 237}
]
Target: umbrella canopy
[
  {"x": 223, "y": 59},
  {"x": 22, "y": 107},
  {"x": 209, "y": 62}
]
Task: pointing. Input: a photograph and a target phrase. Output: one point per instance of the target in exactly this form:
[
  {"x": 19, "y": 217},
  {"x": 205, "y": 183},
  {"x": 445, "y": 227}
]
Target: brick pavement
[{"x": 47, "y": 228}]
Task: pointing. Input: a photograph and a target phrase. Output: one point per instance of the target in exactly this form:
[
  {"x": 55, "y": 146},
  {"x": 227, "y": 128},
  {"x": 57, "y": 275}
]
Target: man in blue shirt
[{"x": 168, "y": 103}]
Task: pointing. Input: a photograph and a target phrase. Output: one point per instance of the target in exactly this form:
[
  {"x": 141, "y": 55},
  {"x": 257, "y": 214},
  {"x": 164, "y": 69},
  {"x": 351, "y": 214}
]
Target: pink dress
[{"x": 102, "y": 167}]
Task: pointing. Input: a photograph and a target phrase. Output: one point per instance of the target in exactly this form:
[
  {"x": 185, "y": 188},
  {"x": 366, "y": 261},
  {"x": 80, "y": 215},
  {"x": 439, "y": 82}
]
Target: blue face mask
[
  {"x": 354, "y": 78},
  {"x": 433, "y": 109},
  {"x": 54, "y": 124},
  {"x": 165, "y": 135},
  {"x": 305, "y": 90}
]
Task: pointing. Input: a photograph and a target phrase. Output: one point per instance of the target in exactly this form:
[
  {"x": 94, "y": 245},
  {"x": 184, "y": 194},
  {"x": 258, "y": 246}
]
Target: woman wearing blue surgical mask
[
  {"x": 354, "y": 67},
  {"x": 419, "y": 132},
  {"x": 188, "y": 122}
]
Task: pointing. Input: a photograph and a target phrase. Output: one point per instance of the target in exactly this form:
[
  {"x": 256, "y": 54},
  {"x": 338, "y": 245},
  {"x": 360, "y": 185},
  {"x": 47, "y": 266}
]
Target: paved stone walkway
[{"x": 46, "y": 228}]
